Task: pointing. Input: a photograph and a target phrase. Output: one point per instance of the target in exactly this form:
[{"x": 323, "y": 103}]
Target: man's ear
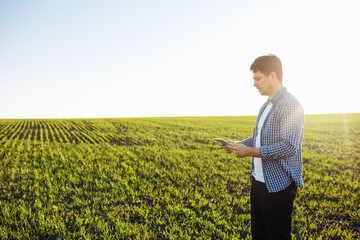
[{"x": 272, "y": 76}]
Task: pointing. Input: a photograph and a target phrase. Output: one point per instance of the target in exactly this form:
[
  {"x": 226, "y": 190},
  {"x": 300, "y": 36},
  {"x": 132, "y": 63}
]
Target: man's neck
[{"x": 275, "y": 91}]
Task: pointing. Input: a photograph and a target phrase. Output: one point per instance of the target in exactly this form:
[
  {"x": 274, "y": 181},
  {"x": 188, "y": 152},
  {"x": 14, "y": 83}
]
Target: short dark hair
[{"x": 267, "y": 64}]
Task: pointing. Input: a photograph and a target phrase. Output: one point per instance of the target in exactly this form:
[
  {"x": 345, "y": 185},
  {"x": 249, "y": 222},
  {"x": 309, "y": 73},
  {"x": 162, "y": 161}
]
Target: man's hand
[
  {"x": 225, "y": 147},
  {"x": 241, "y": 151}
]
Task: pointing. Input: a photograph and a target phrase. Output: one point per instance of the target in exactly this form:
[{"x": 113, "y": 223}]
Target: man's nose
[{"x": 255, "y": 84}]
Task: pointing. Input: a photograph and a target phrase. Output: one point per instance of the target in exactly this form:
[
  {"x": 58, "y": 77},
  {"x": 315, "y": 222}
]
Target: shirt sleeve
[
  {"x": 249, "y": 142},
  {"x": 291, "y": 133}
]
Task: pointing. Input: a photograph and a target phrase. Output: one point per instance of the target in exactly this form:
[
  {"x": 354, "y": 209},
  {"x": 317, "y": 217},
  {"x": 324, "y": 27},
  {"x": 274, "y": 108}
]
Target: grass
[{"x": 164, "y": 178}]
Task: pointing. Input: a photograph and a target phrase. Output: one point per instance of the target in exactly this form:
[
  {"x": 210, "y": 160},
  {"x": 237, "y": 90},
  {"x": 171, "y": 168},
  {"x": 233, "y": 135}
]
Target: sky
[{"x": 160, "y": 58}]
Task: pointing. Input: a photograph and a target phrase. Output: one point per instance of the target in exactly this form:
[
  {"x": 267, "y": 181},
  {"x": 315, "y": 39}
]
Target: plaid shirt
[{"x": 281, "y": 139}]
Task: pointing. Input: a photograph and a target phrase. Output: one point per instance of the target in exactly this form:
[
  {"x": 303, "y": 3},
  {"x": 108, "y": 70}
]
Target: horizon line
[{"x": 184, "y": 116}]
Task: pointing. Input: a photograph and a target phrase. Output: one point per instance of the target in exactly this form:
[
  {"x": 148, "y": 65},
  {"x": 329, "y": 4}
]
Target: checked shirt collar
[
  {"x": 278, "y": 95},
  {"x": 275, "y": 99}
]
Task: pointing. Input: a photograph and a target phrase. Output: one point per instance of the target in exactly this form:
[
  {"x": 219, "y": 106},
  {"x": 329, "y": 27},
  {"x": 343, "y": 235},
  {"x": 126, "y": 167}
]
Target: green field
[{"x": 164, "y": 178}]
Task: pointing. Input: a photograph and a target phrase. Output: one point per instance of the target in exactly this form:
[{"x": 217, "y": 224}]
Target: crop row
[{"x": 64, "y": 131}]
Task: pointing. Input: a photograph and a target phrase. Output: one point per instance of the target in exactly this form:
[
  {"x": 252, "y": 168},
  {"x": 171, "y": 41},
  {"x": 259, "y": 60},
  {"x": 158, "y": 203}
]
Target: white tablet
[{"x": 224, "y": 142}]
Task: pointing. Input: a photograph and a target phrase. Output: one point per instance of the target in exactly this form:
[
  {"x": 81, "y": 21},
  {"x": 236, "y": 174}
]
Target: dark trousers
[{"x": 271, "y": 212}]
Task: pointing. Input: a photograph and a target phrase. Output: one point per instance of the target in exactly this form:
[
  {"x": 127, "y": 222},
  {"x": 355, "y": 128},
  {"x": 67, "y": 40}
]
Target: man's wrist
[{"x": 253, "y": 152}]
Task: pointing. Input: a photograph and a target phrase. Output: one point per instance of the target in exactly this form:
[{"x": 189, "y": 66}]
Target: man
[{"x": 276, "y": 150}]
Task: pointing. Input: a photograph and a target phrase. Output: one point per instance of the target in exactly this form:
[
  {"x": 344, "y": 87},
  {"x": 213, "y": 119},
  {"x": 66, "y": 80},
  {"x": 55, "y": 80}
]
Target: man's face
[{"x": 262, "y": 83}]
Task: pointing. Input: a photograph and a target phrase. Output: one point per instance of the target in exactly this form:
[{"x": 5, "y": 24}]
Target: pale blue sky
[{"x": 95, "y": 59}]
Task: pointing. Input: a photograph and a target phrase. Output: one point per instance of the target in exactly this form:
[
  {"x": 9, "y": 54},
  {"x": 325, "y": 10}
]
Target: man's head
[
  {"x": 267, "y": 64},
  {"x": 267, "y": 74}
]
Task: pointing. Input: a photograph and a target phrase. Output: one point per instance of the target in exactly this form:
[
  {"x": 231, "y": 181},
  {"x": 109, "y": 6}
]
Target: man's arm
[
  {"x": 241, "y": 150},
  {"x": 248, "y": 143},
  {"x": 291, "y": 134},
  {"x": 291, "y": 131}
]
